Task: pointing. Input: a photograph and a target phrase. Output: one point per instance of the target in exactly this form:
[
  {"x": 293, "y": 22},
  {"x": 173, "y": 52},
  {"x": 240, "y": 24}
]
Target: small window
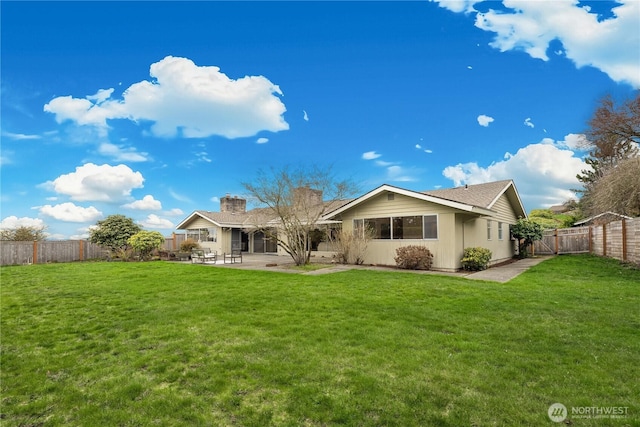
[
  {"x": 430, "y": 226},
  {"x": 488, "y": 229},
  {"x": 500, "y": 231}
]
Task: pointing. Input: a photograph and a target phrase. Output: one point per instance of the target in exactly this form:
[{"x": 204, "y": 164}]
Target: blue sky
[{"x": 156, "y": 109}]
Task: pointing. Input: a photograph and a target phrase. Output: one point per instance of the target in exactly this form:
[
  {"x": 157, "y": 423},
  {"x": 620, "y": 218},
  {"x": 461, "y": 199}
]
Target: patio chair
[{"x": 233, "y": 256}]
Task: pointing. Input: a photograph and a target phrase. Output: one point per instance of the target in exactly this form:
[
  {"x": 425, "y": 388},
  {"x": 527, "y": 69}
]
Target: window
[
  {"x": 407, "y": 227},
  {"x": 488, "y": 229},
  {"x": 430, "y": 226},
  {"x": 203, "y": 234},
  {"x": 401, "y": 227},
  {"x": 380, "y": 227},
  {"x": 499, "y": 231}
]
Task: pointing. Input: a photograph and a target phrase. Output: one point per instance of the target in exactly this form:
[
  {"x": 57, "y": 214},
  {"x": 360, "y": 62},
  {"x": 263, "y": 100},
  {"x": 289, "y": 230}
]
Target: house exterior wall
[
  {"x": 476, "y": 234},
  {"x": 446, "y": 249},
  {"x": 223, "y": 237}
]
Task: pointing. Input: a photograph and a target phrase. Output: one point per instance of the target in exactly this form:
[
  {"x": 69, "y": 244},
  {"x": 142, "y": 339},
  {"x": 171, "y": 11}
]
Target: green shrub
[
  {"x": 189, "y": 245},
  {"x": 414, "y": 258},
  {"x": 476, "y": 259}
]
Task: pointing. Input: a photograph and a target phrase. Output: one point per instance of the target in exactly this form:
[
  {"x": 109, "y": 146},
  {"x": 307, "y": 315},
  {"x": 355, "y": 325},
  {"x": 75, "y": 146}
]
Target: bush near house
[
  {"x": 188, "y": 245},
  {"x": 414, "y": 258},
  {"x": 476, "y": 259}
]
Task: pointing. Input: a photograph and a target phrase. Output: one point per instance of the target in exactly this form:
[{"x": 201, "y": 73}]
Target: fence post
[
  {"x": 591, "y": 239},
  {"x": 81, "y": 250},
  {"x": 604, "y": 239},
  {"x": 555, "y": 233},
  {"x": 173, "y": 240},
  {"x": 624, "y": 239},
  {"x": 35, "y": 252}
]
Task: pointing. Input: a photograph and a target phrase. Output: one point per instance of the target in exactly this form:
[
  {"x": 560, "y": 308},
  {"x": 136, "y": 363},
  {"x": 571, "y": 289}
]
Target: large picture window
[{"x": 401, "y": 227}]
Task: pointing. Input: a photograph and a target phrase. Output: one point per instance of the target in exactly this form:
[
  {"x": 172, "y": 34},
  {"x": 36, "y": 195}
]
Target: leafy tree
[
  {"x": 114, "y": 232},
  {"x": 294, "y": 201},
  {"x": 23, "y": 234},
  {"x": 527, "y": 232},
  {"x": 549, "y": 220},
  {"x": 146, "y": 242}
]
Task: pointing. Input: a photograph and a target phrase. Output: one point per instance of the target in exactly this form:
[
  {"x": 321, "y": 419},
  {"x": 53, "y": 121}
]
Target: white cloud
[
  {"x": 370, "y": 155},
  {"x": 484, "y": 120},
  {"x": 174, "y": 212},
  {"x": 397, "y": 173},
  {"x": 528, "y": 122},
  {"x": 196, "y": 101},
  {"x": 262, "y": 140},
  {"x": 12, "y": 222},
  {"x": 121, "y": 154},
  {"x": 305, "y": 116},
  {"x": 426, "y": 150},
  {"x": 544, "y": 173},
  {"x": 148, "y": 203},
  {"x": 179, "y": 197},
  {"x": 574, "y": 141},
  {"x": 91, "y": 182},
  {"x": 611, "y": 45},
  {"x": 101, "y": 96},
  {"x": 20, "y": 136},
  {"x": 457, "y": 5},
  {"x": 69, "y": 212},
  {"x": 154, "y": 221}
]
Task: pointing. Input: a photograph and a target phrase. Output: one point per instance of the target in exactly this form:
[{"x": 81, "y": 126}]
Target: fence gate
[{"x": 564, "y": 241}]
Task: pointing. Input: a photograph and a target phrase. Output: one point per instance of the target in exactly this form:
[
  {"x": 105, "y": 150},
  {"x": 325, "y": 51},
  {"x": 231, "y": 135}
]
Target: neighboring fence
[
  {"x": 16, "y": 253},
  {"x": 173, "y": 242},
  {"x": 617, "y": 239}
]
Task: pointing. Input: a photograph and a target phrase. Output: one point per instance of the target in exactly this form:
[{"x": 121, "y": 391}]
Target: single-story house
[
  {"x": 446, "y": 221},
  {"x": 235, "y": 228}
]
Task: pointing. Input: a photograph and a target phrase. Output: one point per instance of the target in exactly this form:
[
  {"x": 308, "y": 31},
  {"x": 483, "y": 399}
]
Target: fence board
[
  {"x": 616, "y": 239},
  {"x": 17, "y": 253}
]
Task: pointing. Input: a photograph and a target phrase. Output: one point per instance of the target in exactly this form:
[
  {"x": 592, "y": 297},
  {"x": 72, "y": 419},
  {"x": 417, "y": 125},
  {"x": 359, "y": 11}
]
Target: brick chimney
[
  {"x": 307, "y": 195},
  {"x": 233, "y": 204}
]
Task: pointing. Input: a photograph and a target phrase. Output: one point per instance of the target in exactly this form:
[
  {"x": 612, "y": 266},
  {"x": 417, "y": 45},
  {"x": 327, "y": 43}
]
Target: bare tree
[
  {"x": 350, "y": 246},
  {"x": 613, "y": 136},
  {"x": 293, "y": 204},
  {"x": 618, "y": 190}
]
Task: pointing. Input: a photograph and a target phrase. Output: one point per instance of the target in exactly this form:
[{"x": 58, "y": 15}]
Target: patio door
[{"x": 236, "y": 239}]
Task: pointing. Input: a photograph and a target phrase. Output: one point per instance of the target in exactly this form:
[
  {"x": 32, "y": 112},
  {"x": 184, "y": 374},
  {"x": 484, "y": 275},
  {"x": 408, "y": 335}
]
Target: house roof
[
  {"x": 248, "y": 218},
  {"x": 479, "y": 198},
  {"x": 483, "y": 195},
  {"x": 221, "y": 219}
]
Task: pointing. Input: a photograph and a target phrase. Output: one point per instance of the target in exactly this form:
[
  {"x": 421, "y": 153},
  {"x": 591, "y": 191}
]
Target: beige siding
[
  {"x": 475, "y": 235},
  {"x": 504, "y": 210},
  {"x": 379, "y": 206},
  {"x": 445, "y": 249},
  {"x": 198, "y": 222}
]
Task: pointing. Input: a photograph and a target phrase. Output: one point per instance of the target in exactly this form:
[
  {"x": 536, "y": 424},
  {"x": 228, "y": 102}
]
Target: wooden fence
[
  {"x": 617, "y": 239},
  {"x": 16, "y": 253},
  {"x": 172, "y": 243}
]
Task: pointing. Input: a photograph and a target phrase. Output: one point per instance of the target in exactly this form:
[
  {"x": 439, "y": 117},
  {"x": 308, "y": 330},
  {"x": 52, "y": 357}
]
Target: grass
[{"x": 185, "y": 345}]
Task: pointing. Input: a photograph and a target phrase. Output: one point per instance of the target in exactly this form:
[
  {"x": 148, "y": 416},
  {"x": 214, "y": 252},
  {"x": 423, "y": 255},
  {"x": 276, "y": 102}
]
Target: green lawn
[{"x": 108, "y": 344}]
